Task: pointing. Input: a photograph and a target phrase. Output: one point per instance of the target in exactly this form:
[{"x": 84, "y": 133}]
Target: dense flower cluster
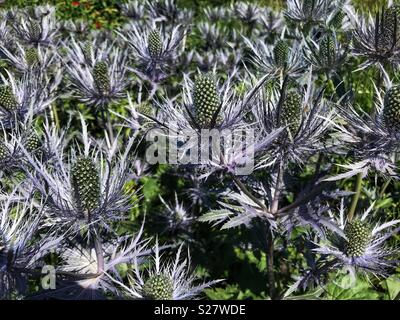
[{"x": 261, "y": 105}]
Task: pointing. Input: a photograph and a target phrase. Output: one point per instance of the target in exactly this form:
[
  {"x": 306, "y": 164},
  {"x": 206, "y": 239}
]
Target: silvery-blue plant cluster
[{"x": 252, "y": 109}]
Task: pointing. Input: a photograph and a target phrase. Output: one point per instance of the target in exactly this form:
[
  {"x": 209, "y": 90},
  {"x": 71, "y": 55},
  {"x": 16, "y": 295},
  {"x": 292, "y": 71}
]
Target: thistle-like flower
[
  {"x": 85, "y": 189},
  {"x": 169, "y": 12},
  {"x": 30, "y": 59},
  {"x": 20, "y": 98},
  {"x": 305, "y": 115},
  {"x": 133, "y": 9},
  {"x": 278, "y": 60},
  {"x": 98, "y": 76},
  {"x": 306, "y": 14},
  {"x": 36, "y": 28},
  {"x": 166, "y": 280},
  {"x": 377, "y": 40},
  {"x": 327, "y": 55},
  {"x": 360, "y": 245},
  {"x": 371, "y": 141},
  {"x": 19, "y": 255},
  {"x": 248, "y": 13},
  {"x": 155, "y": 51}
]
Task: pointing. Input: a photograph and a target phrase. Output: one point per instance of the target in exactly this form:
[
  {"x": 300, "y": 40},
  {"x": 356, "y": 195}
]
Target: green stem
[
  {"x": 356, "y": 197},
  {"x": 270, "y": 264},
  {"x": 55, "y": 117}
]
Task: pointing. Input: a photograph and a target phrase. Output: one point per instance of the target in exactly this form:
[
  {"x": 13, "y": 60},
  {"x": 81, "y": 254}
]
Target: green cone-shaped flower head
[
  {"x": 36, "y": 30},
  {"x": 33, "y": 143},
  {"x": 32, "y": 57},
  {"x": 3, "y": 151},
  {"x": 308, "y": 6},
  {"x": 358, "y": 237},
  {"x": 281, "y": 52},
  {"x": 206, "y": 100},
  {"x": 101, "y": 77},
  {"x": 391, "y": 109},
  {"x": 7, "y": 98},
  {"x": 291, "y": 111},
  {"x": 154, "y": 43},
  {"x": 87, "y": 49},
  {"x": 86, "y": 183},
  {"x": 390, "y": 32},
  {"x": 337, "y": 20},
  {"x": 327, "y": 50},
  {"x": 158, "y": 287}
]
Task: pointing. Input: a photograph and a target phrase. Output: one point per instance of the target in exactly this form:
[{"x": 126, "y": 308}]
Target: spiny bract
[
  {"x": 281, "y": 53},
  {"x": 358, "y": 237},
  {"x": 154, "y": 43},
  {"x": 291, "y": 111},
  {"x": 7, "y": 98},
  {"x": 100, "y": 77},
  {"x": 86, "y": 183},
  {"x": 391, "y": 108},
  {"x": 158, "y": 287},
  {"x": 206, "y": 100}
]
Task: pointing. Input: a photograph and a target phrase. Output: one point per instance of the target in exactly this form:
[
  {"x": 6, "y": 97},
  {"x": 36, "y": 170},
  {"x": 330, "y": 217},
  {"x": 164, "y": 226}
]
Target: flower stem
[
  {"x": 356, "y": 197},
  {"x": 99, "y": 253},
  {"x": 278, "y": 185},
  {"x": 270, "y": 264}
]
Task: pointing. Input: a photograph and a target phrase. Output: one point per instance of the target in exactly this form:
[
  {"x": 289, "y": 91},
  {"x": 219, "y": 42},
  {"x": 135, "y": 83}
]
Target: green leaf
[
  {"x": 349, "y": 288},
  {"x": 392, "y": 285}
]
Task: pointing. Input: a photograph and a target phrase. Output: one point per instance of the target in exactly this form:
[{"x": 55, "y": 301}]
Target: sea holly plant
[{"x": 238, "y": 151}]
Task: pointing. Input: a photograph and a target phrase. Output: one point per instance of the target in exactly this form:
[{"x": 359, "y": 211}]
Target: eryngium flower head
[
  {"x": 206, "y": 101},
  {"x": 7, "y": 98},
  {"x": 279, "y": 60},
  {"x": 391, "y": 109},
  {"x": 372, "y": 141},
  {"x": 328, "y": 55},
  {"x": 98, "y": 75},
  {"x": 32, "y": 59},
  {"x": 158, "y": 287},
  {"x": 308, "y": 13},
  {"x": 40, "y": 28},
  {"x": 101, "y": 77},
  {"x": 86, "y": 183},
  {"x": 358, "y": 237},
  {"x": 33, "y": 142},
  {"x": 154, "y": 43},
  {"x": 166, "y": 280},
  {"x": 20, "y": 246},
  {"x": 281, "y": 52},
  {"x": 155, "y": 51},
  {"x": 291, "y": 111},
  {"x": 378, "y": 40},
  {"x": 360, "y": 246},
  {"x": 31, "y": 56},
  {"x": 304, "y": 113},
  {"x": 26, "y": 96},
  {"x": 85, "y": 188}
]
